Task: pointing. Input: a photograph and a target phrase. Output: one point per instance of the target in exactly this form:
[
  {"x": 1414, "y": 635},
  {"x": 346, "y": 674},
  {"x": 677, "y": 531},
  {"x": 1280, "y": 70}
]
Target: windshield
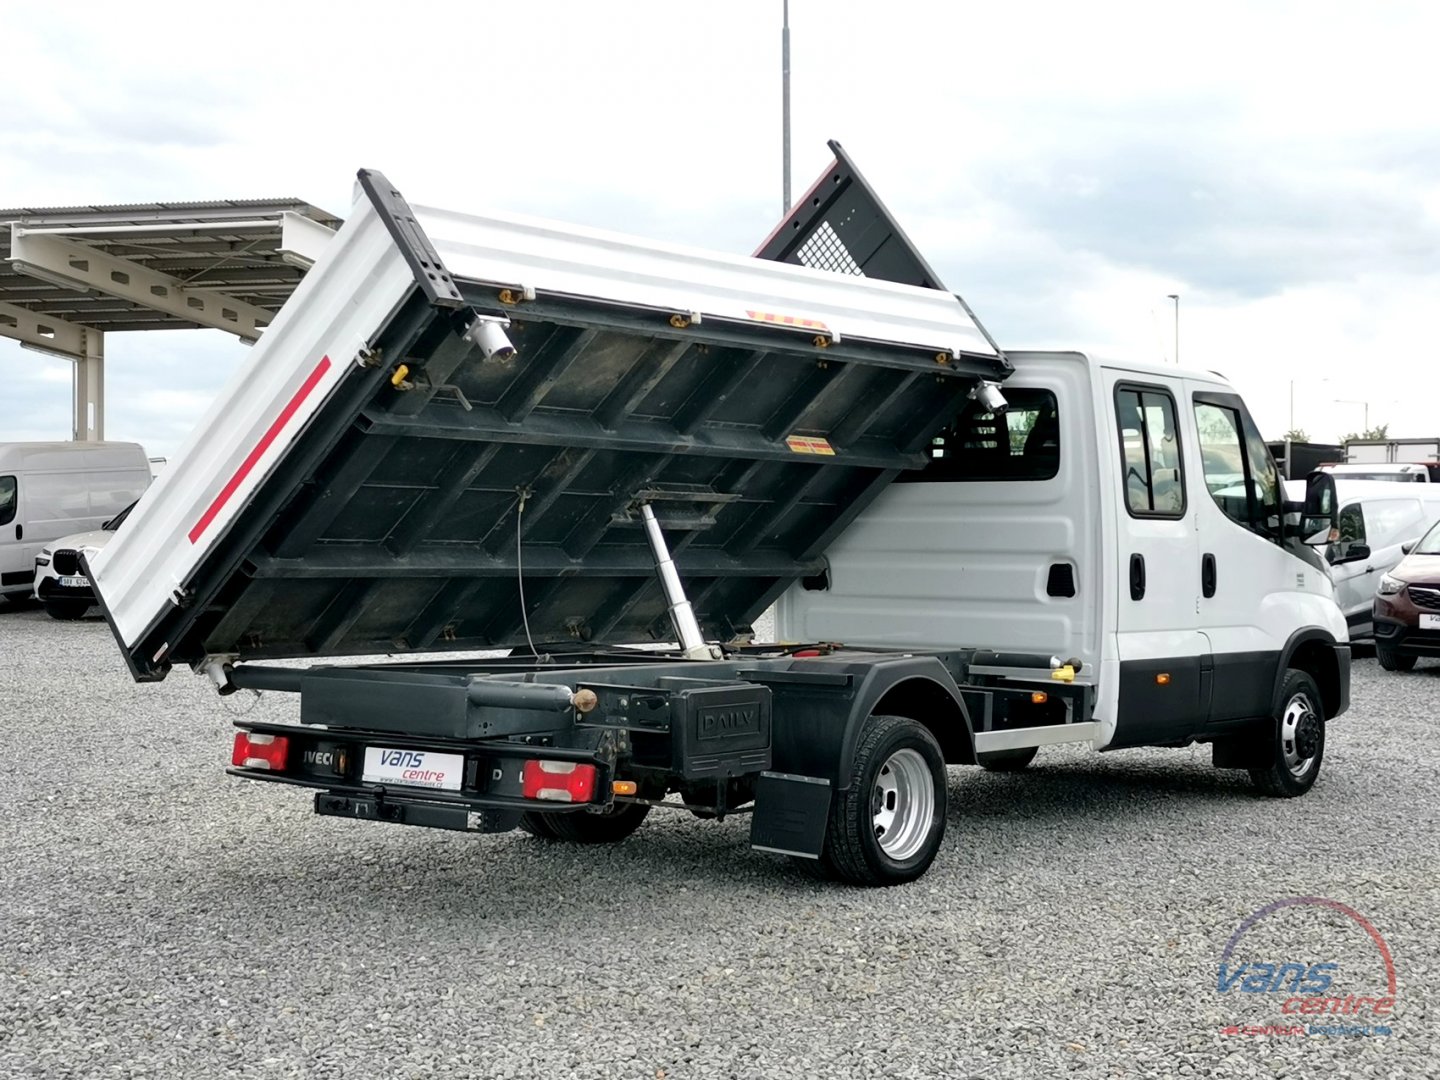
[
  {"x": 119, "y": 519},
  {"x": 1429, "y": 543}
]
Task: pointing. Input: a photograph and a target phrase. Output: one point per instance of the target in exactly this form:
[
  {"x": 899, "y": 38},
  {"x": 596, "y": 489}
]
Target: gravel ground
[{"x": 158, "y": 918}]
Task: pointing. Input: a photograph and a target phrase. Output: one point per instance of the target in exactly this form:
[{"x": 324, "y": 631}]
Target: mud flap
[{"x": 790, "y": 814}]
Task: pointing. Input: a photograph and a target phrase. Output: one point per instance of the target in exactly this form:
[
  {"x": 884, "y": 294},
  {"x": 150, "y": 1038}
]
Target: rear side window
[
  {"x": 1021, "y": 443},
  {"x": 7, "y": 499},
  {"x": 1150, "y": 452}
]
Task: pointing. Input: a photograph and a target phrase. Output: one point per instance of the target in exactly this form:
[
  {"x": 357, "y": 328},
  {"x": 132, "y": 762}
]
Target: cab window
[
  {"x": 1150, "y": 452},
  {"x": 7, "y": 499},
  {"x": 1020, "y": 443},
  {"x": 1239, "y": 471}
]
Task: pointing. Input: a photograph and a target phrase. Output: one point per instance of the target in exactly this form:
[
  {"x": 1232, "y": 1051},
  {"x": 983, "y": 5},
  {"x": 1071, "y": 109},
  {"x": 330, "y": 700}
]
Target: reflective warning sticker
[
  {"x": 808, "y": 444},
  {"x": 787, "y": 320}
]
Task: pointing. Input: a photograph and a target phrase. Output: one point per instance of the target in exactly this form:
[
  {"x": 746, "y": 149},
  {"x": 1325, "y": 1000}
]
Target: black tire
[
  {"x": 1390, "y": 660},
  {"x": 538, "y": 825},
  {"x": 67, "y": 609},
  {"x": 583, "y": 827},
  {"x": 853, "y": 847},
  {"x": 1295, "y": 745},
  {"x": 1007, "y": 760}
]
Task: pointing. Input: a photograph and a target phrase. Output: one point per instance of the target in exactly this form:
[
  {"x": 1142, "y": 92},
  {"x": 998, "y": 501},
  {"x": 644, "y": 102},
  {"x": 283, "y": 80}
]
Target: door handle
[
  {"x": 19, "y": 532},
  {"x": 1137, "y": 576},
  {"x": 1207, "y": 575}
]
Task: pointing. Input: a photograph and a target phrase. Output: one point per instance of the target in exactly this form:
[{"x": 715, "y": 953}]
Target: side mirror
[
  {"x": 1317, "y": 518},
  {"x": 1357, "y": 552},
  {"x": 1408, "y": 546}
]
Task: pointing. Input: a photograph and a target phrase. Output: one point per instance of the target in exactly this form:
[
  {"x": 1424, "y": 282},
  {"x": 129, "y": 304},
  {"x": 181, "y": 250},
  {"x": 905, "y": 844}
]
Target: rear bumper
[{"x": 490, "y": 798}]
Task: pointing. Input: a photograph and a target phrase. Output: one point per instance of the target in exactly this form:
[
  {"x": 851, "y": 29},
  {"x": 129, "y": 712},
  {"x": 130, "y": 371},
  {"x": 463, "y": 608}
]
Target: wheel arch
[
  {"x": 936, "y": 708},
  {"x": 821, "y": 731},
  {"x": 1319, "y": 655}
]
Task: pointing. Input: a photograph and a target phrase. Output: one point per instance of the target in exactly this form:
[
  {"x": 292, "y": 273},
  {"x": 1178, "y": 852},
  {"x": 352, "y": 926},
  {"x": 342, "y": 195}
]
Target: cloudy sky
[{"x": 1064, "y": 166}]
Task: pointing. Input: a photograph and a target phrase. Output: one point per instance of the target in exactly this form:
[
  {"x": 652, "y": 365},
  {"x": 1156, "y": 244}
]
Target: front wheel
[
  {"x": 1390, "y": 660},
  {"x": 886, "y": 828},
  {"x": 1296, "y": 739},
  {"x": 66, "y": 609}
]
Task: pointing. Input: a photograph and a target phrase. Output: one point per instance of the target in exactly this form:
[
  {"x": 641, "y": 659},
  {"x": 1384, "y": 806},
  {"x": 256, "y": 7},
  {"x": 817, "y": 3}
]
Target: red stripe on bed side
[{"x": 264, "y": 444}]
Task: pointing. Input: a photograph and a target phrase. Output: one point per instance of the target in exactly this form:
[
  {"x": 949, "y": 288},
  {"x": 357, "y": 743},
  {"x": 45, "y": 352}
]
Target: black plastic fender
[
  {"x": 1335, "y": 686},
  {"x": 817, "y": 723}
]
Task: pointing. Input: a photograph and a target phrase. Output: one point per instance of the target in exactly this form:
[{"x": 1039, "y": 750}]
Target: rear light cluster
[
  {"x": 255, "y": 751},
  {"x": 558, "y": 781}
]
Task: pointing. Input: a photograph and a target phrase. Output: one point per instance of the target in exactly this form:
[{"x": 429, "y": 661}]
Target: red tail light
[
  {"x": 255, "y": 751},
  {"x": 558, "y": 781}
]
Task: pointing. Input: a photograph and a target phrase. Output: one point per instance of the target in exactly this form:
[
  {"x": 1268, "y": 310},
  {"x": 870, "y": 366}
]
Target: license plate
[
  {"x": 1430, "y": 622},
  {"x": 76, "y": 581},
  {"x": 414, "y": 768}
]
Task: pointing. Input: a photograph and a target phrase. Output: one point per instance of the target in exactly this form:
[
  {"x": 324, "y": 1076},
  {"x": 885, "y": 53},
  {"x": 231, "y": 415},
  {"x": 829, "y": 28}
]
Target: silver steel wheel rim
[
  {"x": 1296, "y": 709},
  {"x": 902, "y": 804}
]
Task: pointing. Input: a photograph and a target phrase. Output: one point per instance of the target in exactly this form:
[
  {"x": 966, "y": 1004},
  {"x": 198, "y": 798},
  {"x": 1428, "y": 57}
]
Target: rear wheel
[
  {"x": 886, "y": 828},
  {"x": 1007, "y": 760},
  {"x": 67, "y": 609},
  {"x": 1296, "y": 739},
  {"x": 1390, "y": 660},
  {"x": 583, "y": 827}
]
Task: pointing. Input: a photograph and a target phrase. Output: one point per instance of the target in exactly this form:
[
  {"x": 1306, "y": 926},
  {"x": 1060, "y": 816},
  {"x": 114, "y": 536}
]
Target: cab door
[
  {"x": 1248, "y": 601},
  {"x": 1164, "y": 687}
]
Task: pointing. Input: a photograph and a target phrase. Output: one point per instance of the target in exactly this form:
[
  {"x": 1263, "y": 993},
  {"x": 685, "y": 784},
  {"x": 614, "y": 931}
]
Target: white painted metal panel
[
  {"x": 358, "y": 280},
  {"x": 965, "y": 564},
  {"x": 610, "y": 266}
]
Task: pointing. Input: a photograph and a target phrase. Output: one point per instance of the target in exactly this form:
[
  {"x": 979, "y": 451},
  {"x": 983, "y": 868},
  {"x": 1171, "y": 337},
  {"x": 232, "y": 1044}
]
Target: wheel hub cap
[
  {"x": 902, "y": 804},
  {"x": 1300, "y": 734}
]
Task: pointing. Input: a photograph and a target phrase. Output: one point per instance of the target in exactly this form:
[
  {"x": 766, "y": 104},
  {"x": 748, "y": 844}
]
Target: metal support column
[{"x": 89, "y": 421}]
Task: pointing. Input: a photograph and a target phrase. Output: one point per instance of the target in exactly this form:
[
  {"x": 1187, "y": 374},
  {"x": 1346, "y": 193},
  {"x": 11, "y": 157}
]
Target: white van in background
[
  {"x": 52, "y": 489},
  {"x": 1376, "y": 517}
]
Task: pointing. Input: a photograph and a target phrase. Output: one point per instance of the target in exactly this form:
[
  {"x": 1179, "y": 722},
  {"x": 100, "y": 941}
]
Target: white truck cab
[{"x": 1126, "y": 515}]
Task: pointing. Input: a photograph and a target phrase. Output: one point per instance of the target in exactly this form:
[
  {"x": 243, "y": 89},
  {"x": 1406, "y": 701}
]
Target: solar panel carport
[{"x": 70, "y": 275}]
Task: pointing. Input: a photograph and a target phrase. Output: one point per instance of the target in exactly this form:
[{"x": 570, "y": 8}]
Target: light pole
[
  {"x": 1176, "y": 297},
  {"x": 785, "y": 99}
]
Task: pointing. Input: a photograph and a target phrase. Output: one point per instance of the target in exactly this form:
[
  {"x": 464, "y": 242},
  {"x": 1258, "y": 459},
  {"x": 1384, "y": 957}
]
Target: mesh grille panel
[{"x": 824, "y": 250}]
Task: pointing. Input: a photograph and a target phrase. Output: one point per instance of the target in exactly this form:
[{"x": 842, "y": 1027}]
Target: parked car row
[
  {"x": 57, "y": 501},
  {"x": 1407, "y": 606},
  {"x": 1385, "y": 563}
]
